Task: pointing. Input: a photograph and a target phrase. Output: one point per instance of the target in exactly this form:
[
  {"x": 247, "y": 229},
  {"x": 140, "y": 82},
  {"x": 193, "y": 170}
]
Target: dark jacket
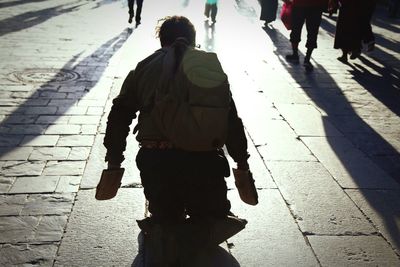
[{"x": 137, "y": 96}]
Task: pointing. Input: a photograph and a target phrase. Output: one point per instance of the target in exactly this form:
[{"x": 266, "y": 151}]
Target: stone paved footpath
[{"x": 324, "y": 145}]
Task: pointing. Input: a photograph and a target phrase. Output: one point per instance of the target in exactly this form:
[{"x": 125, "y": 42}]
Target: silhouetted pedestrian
[
  {"x": 139, "y": 4},
  {"x": 367, "y": 36},
  {"x": 310, "y": 13},
  {"x": 349, "y": 33},
  {"x": 211, "y": 9},
  {"x": 268, "y": 11}
]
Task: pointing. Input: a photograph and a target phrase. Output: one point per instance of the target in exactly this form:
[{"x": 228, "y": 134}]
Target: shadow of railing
[
  {"x": 326, "y": 94},
  {"x": 33, "y": 18},
  {"x": 89, "y": 70}
]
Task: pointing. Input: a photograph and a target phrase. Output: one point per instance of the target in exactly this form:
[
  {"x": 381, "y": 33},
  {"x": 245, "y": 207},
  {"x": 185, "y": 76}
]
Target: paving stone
[
  {"x": 74, "y": 110},
  {"x": 96, "y": 164},
  {"x": 79, "y": 153},
  {"x": 88, "y": 232},
  {"x": 276, "y": 141},
  {"x": 50, "y": 153},
  {"x": 315, "y": 125},
  {"x": 76, "y": 140},
  {"x": 28, "y": 254},
  {"x": 22, "y": 168},
  {"x": 64, "y": 168},
  {"x": 62, "y": 102},
  {"x": 40, "y": 140},
  {"x": 15, "y": 229},
  {"x": 41, "y": 110},
  {"x": 96, "y": 110},
  {"x": 271, "y": 236},
  {"x": 286, "y": 150},
  {"x": 63, "y": 129},
  {"x": 30, "y": 129},
  {"x": 89, "y": 129},
  {"x": 20, "y": 119},
  {"x": 11, "y": 205},
  {"x": 261, "y": 174},
  {"x": 85, "y": 120},
  {"x": 5, "y": 184},
  {"x": 376, "y": 144},
  {"x": 317, "y": 201},
  {"x": 353, "y": 251},
  {"x": 34, "y": 184},
  {"x": 92, "y": 103},
  {"x": 45, "y": 119},
  {"x": 45, "y": 204},
  {"x": 349, "y": 166},
  {"x": 68, "y": 184},
  {"x": 36, "y": 204},
  {"x": 389, "y": 163},
  {"x": 382, "y": 207},
  {"x": 10, "y": 140},
  {"x": 17, "y": 153}
]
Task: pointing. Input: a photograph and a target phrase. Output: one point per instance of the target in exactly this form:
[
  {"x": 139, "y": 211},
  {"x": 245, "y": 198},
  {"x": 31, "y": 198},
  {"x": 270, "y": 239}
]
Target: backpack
[{"x": 191, "y": 104}]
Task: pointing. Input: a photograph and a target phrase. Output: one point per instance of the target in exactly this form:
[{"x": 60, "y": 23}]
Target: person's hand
[{"x": 113, "y": 166}]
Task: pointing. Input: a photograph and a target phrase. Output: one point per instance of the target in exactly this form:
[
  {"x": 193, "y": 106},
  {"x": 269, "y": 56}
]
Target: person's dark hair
[{"x": 174, "y": 27}]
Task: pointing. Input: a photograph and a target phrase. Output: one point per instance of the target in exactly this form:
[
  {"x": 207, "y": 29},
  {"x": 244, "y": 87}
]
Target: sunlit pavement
[{"x": 324, "y": 145}]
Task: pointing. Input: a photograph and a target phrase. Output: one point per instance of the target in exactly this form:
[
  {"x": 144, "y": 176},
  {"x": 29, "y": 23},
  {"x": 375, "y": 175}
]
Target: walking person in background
[
  {"x": 139, "y": 4},
  {"x": 211, "y": 9},
  {"x": 368, "y": 38},
  {"x": 310, "y": 13},
  {"x": 268, "y": 11},
  {"x": 349, "y": 33}
]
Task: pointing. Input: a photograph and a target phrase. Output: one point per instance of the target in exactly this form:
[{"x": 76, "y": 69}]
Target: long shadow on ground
[
  {"x": 24, "y": 124},
  {"x": 328, "y": 96}
]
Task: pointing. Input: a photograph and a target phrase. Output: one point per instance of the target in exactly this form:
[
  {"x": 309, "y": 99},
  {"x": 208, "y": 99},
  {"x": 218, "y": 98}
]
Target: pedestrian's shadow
[
  {"x": 213, "y": 257},
  {"x": 19, "y": 2},
  {"x": 326, "y": 94},
  {"x": 33, "y": 18},
  {"x": 54, "y": 98}
]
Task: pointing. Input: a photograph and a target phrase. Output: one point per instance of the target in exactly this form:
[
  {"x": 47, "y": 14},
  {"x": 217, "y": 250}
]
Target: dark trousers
[
  {"x": 139, "y": 4},
  {"x": 211, "y": 9},
  {"x": 366, "y": 16},
  {"x": 177, "y": 183},
  {"x": 268, "y": 10},
  {"x": 311, "y": 16},
  {"x": 394, "y": 6}
]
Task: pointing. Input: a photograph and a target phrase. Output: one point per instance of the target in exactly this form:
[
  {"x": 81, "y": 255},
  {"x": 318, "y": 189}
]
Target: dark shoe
[
  {"x": 130, "y": 18},
  {"x": 355, "y": 54},
  {"x": 343, "y": 59},
  {"x": 137, "y": 23},
  {"x": 308, "y": 66},
  {"x": 292, "y": 58}
]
